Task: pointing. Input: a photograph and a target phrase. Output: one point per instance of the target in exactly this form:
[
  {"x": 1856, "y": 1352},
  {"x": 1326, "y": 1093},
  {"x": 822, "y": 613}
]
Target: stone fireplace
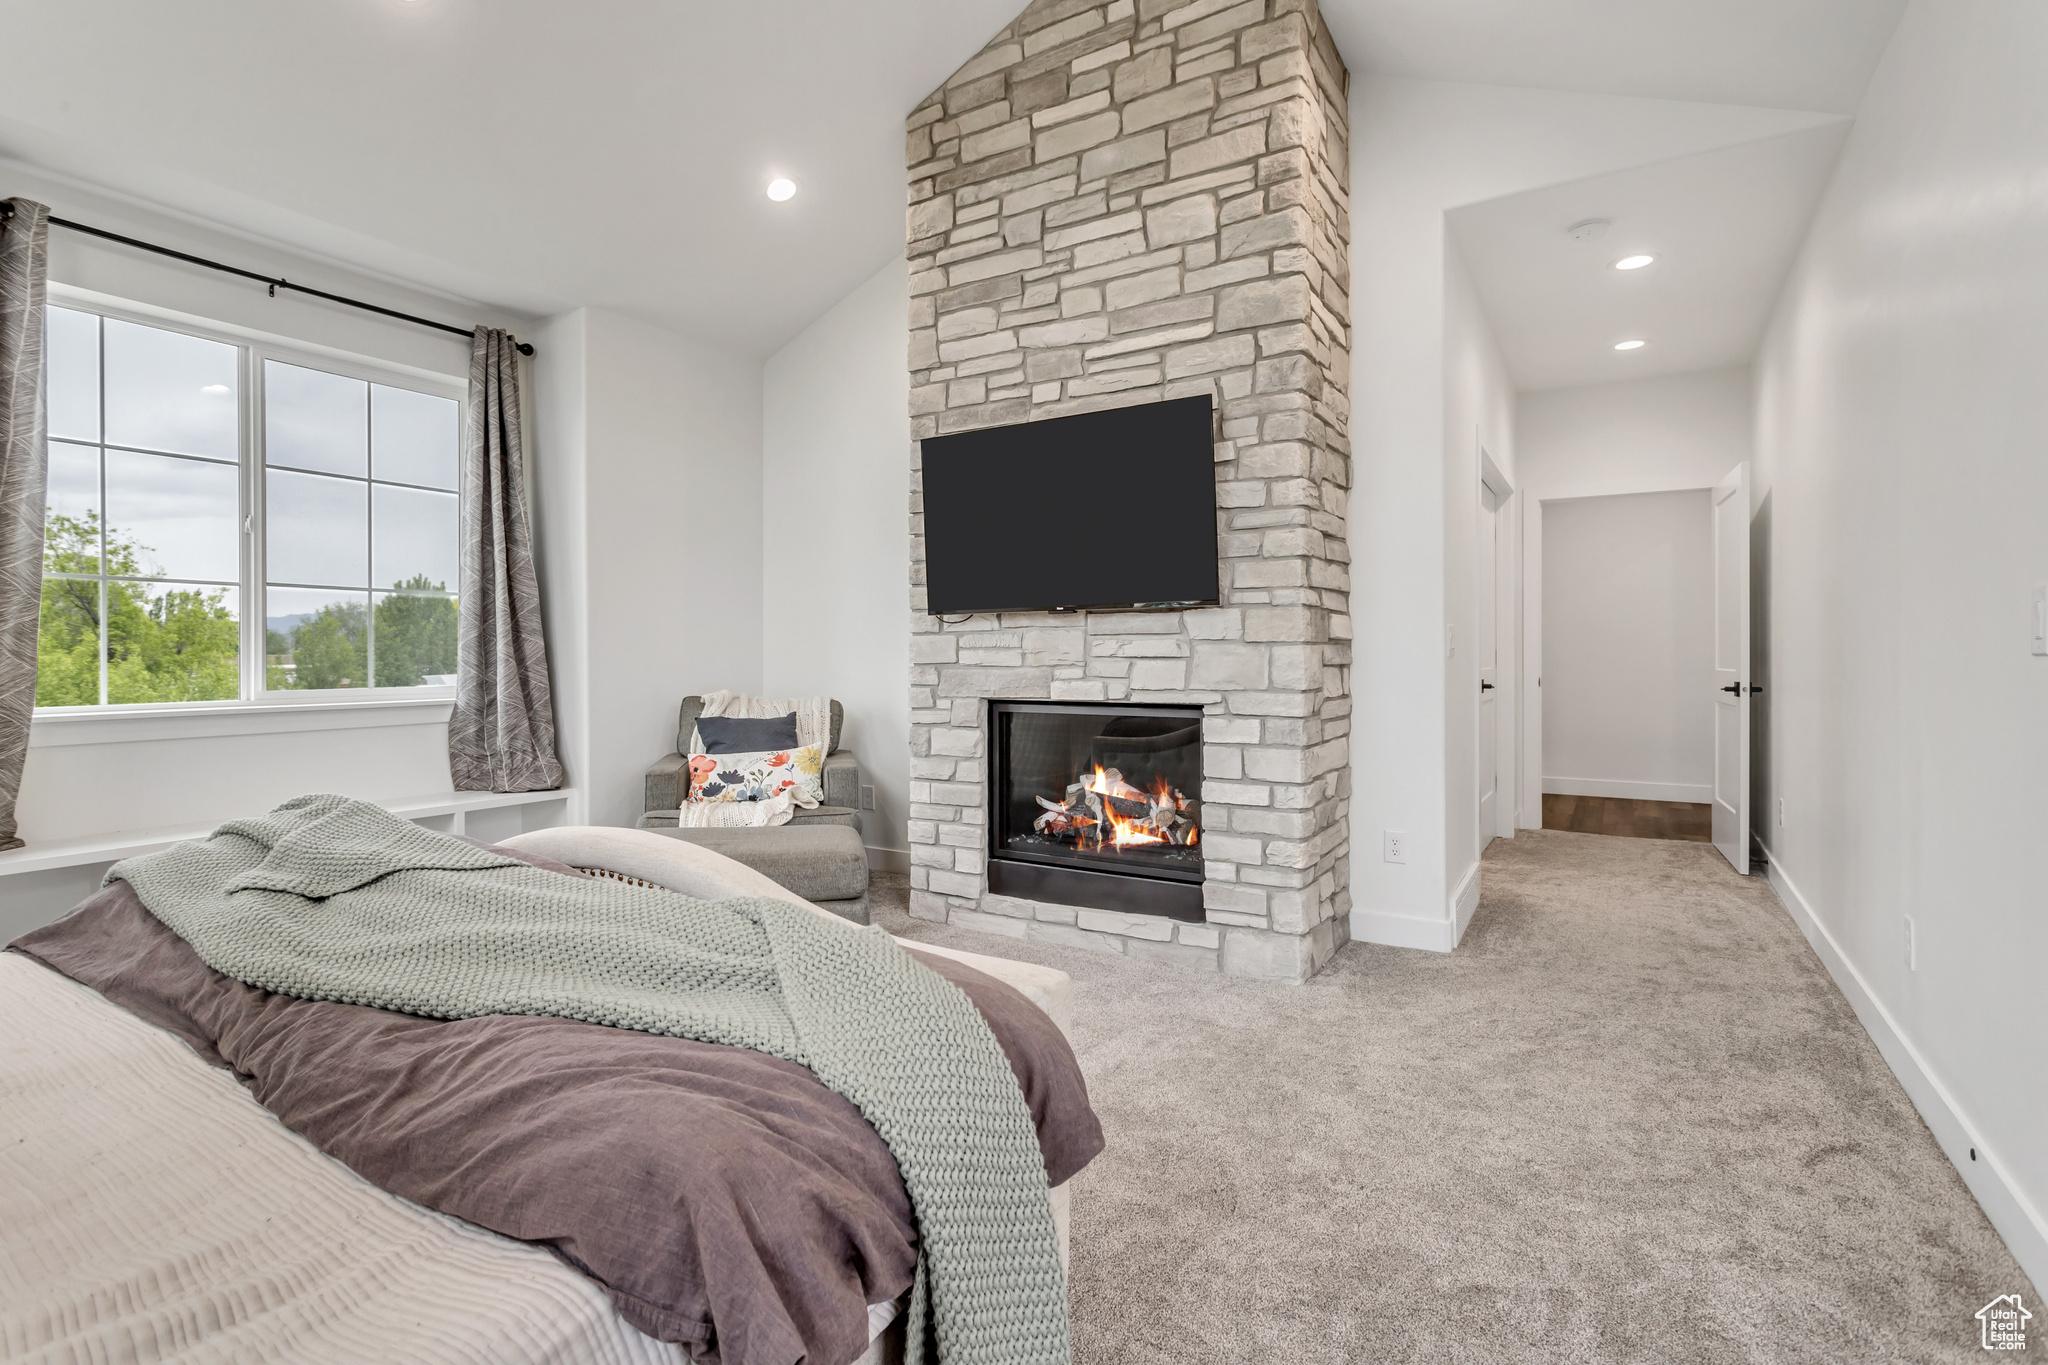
[{"x": 1120, "y": 203}]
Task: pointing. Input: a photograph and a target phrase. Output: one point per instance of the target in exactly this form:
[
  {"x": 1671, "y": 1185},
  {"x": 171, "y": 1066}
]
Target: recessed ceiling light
[
  {"x": 781, "y": 188},
  {"x": 1633, "y": 262},
  {"x": 213, "y": 388},
  {"x": 1629, "y": 345}
]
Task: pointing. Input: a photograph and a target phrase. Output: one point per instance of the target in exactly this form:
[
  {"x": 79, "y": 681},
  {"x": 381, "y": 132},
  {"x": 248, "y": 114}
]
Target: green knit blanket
[{"x": 327, "y": 898}]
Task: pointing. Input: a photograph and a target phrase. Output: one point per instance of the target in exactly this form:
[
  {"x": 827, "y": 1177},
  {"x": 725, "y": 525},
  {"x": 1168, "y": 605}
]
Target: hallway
[{"x": 1630, "y": 1118}]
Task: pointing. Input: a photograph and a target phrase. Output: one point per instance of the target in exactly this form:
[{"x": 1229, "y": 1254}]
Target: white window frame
[{"x": 257, "y": 710}]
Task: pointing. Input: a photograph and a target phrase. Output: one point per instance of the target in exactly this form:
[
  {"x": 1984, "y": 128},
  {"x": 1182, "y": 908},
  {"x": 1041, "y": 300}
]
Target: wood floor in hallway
[{"x": 1687, "y": 821}]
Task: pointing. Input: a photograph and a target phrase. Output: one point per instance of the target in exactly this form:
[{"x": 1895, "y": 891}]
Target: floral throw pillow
[{"x": 756, "y": 777}]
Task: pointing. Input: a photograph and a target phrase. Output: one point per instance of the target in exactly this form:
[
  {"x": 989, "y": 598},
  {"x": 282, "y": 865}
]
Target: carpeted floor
[{"x": 1630, "y": 1119}]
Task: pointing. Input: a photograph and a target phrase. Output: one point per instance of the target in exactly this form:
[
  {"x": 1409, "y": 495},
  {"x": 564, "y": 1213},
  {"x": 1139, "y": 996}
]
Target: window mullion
[
  {"x": 100, "y": 333},
  {"x": 370, "y": 542},
  {"x": 244, "y": 525}
]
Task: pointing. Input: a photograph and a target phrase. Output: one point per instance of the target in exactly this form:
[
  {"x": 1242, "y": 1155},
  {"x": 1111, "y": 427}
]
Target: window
[{"x": 228, "y": 520}]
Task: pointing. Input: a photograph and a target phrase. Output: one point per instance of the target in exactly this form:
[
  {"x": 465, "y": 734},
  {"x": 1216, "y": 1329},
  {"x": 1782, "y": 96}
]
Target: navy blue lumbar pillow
[{"x": 745, "y": 734}]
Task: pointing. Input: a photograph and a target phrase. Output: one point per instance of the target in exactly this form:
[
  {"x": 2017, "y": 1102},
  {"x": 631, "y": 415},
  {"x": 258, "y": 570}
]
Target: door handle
[
  {"x": 1485, "y": 686},
  {"x": 1736, "y": 688}
]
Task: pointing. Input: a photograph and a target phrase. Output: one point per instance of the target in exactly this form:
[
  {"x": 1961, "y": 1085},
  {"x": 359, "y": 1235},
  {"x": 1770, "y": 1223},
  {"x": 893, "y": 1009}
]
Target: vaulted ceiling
[
  {"x": 541, "y": 156},
  {"x": 1723, "y": 227},
  {"x": 1779, "y": 54}
]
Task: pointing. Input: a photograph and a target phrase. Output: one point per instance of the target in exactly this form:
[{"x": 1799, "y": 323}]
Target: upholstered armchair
[
  {"x": 663, "y": 795},
  {"x": 819, "y": 854}
]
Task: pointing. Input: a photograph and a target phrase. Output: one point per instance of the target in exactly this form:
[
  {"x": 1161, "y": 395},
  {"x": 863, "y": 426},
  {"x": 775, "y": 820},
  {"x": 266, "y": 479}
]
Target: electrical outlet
[
  {"x": 2041, "y": 618},
  {"x": 867, "y": 798},
  {"x": 1781, "y": 812},
  {"x": 1912, "y": 964},
  {"x": 1450, "y": 642},
  {"x": 1397, "y": 846}
]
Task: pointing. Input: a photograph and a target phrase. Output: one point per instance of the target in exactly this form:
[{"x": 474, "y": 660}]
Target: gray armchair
[
  {"x": 663, "y": 794},
  {"x": 819, "y": 854}
]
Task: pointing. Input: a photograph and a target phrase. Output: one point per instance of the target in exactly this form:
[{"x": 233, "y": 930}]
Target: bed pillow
[
  {"x": 747, "y": 734},
  {"x": 757, "y": 776}
]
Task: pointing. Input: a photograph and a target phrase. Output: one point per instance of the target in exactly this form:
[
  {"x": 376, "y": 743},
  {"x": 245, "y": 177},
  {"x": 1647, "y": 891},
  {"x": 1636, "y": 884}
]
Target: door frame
[
  {"x": 1529, "y": 742},
  {"x": 1508, "y": 647}
]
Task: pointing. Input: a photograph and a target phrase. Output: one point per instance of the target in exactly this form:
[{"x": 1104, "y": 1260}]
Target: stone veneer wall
[{"x": 1118, "y": 203}]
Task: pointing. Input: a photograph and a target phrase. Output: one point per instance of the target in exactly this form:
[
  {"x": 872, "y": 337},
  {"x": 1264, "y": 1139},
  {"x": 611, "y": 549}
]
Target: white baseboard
[
  {"x": 1402, "y": 931},
  {"x": 2021, "y": 1224},
  {"x": 888, "y": 859},
  {"x": 1463, "y": 904},
  {"x": 1697, "y": 793}
]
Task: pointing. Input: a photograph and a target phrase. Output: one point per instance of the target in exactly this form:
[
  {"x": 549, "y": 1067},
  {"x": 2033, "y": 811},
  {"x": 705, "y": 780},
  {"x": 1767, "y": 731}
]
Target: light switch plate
[{"x": 2041, "y": 618}]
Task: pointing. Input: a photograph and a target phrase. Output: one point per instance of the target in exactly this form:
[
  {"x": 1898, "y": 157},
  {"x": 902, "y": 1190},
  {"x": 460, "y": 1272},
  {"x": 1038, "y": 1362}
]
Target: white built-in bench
[{"x": 41, "y": 882}]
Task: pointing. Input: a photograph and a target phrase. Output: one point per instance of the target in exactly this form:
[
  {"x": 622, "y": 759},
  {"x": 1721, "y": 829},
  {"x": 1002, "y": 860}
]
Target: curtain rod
[{"x": 7, "y": 211}]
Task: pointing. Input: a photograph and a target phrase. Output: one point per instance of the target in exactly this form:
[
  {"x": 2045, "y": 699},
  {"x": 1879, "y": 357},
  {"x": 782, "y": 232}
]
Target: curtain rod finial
[{"x": 526, "y": 348}]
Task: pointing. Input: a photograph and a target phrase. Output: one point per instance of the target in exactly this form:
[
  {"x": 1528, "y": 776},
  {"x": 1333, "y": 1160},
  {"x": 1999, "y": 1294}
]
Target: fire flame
[
  {"x": 1116, "y": 814},
  {"x": 1123, "y": 832}
]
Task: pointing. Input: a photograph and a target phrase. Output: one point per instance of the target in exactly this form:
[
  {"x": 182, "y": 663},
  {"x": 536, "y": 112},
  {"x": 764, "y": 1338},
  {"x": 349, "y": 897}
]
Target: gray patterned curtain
[
  {"x": 24, "y": 461},
  {"x": 502, "y": 735}
]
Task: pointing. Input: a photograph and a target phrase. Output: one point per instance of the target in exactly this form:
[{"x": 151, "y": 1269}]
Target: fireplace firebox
[{"x": 1097, "y": 806}]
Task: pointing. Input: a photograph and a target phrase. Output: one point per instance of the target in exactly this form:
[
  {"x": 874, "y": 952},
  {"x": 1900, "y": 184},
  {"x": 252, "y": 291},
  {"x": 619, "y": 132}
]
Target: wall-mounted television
[{"x": 1101, "y": 509}]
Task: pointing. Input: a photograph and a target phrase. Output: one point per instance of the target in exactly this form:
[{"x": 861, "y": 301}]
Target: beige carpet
[{"x": 1630, "y": 1119}]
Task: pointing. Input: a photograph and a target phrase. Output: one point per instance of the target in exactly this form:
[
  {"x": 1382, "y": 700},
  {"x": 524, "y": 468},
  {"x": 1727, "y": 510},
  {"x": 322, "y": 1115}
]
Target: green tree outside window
[
  {"x": 185, "y": 645},
  {"x": 415, "y": 634},
  {"x": 415, "y": 629},
  {"x": 179, "y": 645}
]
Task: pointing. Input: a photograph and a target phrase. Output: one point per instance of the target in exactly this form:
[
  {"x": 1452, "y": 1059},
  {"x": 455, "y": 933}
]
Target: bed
[{"x": 153, "y": 1208}]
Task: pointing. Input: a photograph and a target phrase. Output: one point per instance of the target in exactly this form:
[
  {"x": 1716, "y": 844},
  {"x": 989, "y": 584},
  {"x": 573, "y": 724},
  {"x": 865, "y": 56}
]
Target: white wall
[
  {"x": 1675, "y": 431},
  {"x": 1479, "y": 413},
  {"x": 651, "y": 545},
  {"x": 560, "y": 509},
  {"x": 151, "y": 772},
  {"x": 1902, "y": 492},
  {"x": 835, "y": 443},
  {"x": 86, "y": 780},
  {"x": 1418, "y": 149},
  {"x": 1628, "y": 630}
]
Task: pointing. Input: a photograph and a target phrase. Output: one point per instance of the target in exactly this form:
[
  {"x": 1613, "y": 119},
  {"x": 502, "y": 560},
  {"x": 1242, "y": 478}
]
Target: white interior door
[
  {"x": 1487, "y": 655},
  {"x": 1731, "y": 667}
]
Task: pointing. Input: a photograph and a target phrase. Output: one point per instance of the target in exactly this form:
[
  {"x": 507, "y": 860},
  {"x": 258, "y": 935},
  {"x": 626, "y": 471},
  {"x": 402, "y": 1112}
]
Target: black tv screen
[{"x": 1103, "y": 509}]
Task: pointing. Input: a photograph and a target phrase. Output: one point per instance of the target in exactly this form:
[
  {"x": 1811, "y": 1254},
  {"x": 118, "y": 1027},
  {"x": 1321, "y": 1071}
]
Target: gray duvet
[{"x": 725, "y": 1199}]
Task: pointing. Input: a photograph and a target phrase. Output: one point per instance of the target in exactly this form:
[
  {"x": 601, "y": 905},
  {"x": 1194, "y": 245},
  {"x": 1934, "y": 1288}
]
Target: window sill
[{"x": 56, "y": 728}]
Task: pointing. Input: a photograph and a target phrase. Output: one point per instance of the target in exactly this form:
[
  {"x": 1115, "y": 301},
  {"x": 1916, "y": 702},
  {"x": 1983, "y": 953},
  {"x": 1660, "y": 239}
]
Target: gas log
[{"x": 1102, "y": 808}]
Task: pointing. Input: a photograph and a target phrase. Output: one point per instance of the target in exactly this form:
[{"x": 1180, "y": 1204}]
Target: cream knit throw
[
  {"x": 327, "y": 898},
  {"x": 813, "y": 726}
]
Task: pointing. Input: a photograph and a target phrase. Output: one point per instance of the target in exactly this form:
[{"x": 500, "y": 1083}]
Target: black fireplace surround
[{"x": 1097, "y": 805}]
